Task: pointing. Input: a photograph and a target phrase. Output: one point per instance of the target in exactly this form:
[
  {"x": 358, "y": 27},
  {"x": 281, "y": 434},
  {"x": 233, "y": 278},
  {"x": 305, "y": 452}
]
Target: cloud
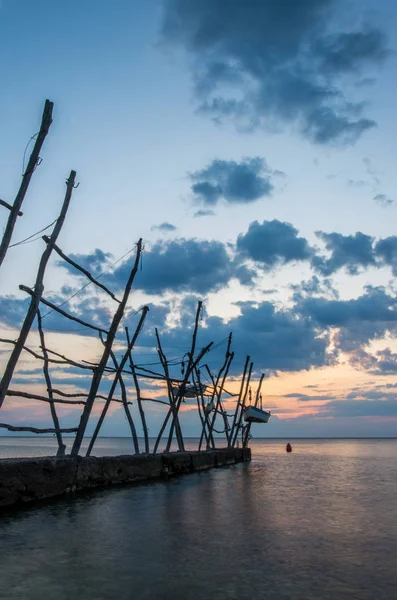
[
  {"x": 273, "y": 243},
  {"x": 276, "y": 339},
  {"x": 273, "y": 64},
  {"x": 359, "y": 320},
  {"x": 181, "y": 265},
  {"x": 95, "y": 262},
  {"x": 306, "y": 398},
  {"x": 232, "y": 182},
  {"x": 372, "y": 170},
  {"x": 203, "y": 213},
  {"x": 164, "y": 227},
  {"x": 383, "y": 362},
  {"x": 383, "y": 200},
  {"x": 361, "y": 408},
  {"x": 386, "y": 251},
  {"x": 349, "y": 251},
  {"x": 89, "y": 309},
  {"x": 314, "y": 287}
]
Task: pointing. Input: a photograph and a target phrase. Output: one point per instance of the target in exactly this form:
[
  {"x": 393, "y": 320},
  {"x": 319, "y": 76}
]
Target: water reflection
[{"x": 318, "y": 523}]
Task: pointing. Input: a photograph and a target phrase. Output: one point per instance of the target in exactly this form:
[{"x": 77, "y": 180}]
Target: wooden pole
[
  {"x": 238, "y": 401},
  {"x": 138, "y": 393},
  {"x": 38, "y": 291},
  {"x": 200, "y": 407},
  {"x": 218, "y": 392},
  {"x": 26, "y": 177},
  {"x": 46, "y": 372},
  {"x": 182, "y": 388},
  {"x": 248, "y": 429},
  {"x": 98, "y": 373},
  {"x": 243, "y": 403},
  {"x": 115, "y": 381},
  {"x": 171, "y": 396},
  {"x": 125, "y": 404},
  {"x": 81, "y": 269}
]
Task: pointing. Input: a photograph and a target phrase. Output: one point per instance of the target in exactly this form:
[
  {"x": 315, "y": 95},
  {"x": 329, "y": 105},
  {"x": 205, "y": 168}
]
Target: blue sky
[{"x": 265, "y": 112}]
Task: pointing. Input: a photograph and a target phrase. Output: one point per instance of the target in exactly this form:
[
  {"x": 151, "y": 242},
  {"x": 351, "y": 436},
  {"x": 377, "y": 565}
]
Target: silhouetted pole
[
  {"x": 38, "y": 291},
  {"x": 15, "y": 209}
]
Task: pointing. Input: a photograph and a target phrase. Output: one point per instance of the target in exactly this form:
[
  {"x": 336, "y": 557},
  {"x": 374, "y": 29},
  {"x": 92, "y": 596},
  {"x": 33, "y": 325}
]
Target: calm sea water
[{"x": 319, "y": 523}]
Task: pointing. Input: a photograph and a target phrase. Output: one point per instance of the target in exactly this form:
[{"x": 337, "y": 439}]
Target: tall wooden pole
[
  {"x": 38, "y": 291},
  {"x": 46, "y": 371},
  {"x": 15, "y": 210}
]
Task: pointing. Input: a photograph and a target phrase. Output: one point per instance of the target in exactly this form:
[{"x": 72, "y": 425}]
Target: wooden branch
[
  {"x": 248, "y": 429},
  {"x": 116, "y": 379},
  {"x": 205, "y": 420},
  {"x": 125, "y": 403},
  {"x": 98, "y": 373},
  {"x": 171, "y": 396},
  {"x": 35, "y": 429},
  {"x": 38, "y": 291},
  {"x": 29, "y": 396},
  {"x": 154, "y": 400},
  {"x": 32, "y": 352},
  {"x": 46, "y": 372},
  {"x": 243, "y": 403},
  {"x": 81, "y": 269},
  {"x": 182, "y": 387},
  {"x": 238, "y": 401},
  {"x": 29, "y": 291},
  {"x": 138, "y": 392},
  {"x": 218, "y": 393},
  {"x": 69, "y": 361},
  {"x": 15, "y": 210},
  {"x": 6, "y": 205}
]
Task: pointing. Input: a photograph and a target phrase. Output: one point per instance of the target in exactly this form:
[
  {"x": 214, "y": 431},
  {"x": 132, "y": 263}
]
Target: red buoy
[{"x": 289, "y": 447}]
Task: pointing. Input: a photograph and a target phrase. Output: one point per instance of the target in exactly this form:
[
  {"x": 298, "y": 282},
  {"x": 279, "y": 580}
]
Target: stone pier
[{"x": 24, "y": 480}]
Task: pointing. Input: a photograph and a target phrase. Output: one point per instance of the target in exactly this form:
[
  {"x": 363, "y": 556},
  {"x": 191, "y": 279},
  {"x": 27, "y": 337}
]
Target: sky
[{"x": 252, "y": 146}]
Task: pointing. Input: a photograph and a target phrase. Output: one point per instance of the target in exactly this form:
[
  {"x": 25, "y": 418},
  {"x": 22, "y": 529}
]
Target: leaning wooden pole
[
  {"x": 258, "y": 395},
  {"x": 138, "y": 392},
  {"x": 182, "y": 387},
  {"x": 38, "y": 291},
  {"x": 171, "y": 396},
  {"x": 218, "y": 388},
  {"x": 15, "y": 210},
  {"x": 236, "y": 412},
  {"x": 116, "y": 379},
  {"x": 98, "y": 373},
  {"x": 46, "y": 372},
  {"x": 125, "y": 404},
  {"x": 243, "y": 404}
]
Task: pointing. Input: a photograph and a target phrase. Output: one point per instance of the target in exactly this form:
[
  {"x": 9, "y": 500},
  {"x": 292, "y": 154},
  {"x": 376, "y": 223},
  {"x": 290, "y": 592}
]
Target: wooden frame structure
[{"x": 210, "y": 399}]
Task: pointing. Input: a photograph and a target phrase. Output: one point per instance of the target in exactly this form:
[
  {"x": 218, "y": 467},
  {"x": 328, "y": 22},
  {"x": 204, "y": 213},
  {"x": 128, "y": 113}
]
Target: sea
[{"x": 318, "y": 523}]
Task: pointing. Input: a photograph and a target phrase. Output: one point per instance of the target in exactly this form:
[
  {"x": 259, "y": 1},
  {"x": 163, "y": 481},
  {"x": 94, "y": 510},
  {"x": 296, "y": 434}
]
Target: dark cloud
[
  {"x": 233, "y": 182},
  {"x": 348, "y": 251},
  {"x": 89, "y": 309},
  {"x": 361, "y": 408},
  {"x": 262, "y": 63},
  {"x": 164, "y": 227},
  {"x": 383, "y": 362},
  {"x": 95, "y": 262},
  {"x": 274, "y": 338},
  {"x": 383, "y": 200},
  {"x": 273, "y": 243},
  {"x": 204, "y": 213},
  {"x": 314, "y": 287},
  {"x": 306, "y": 398},
  {"x": 368, "y": 317},
  {"x": 182, "y": 265},
  {"x": 386, "y": 251}
]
